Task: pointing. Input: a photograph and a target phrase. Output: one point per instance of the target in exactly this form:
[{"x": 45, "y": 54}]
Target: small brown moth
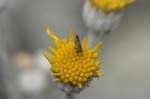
[{"x": 78, "y": 44}]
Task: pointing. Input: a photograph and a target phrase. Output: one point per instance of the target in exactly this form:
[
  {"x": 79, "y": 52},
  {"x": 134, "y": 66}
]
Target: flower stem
[{"x": 94, "y": 37}]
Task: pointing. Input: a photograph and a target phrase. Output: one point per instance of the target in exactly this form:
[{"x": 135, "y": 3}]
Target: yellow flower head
[
  {"x": 72, "y": 66},
  {"x": 111, "y": 5}
]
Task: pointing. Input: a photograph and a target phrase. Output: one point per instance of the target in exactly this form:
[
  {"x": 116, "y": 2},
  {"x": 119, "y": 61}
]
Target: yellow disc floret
[
  {"x": 69, "y": 66},
  {"x": 111, "y": 5}
]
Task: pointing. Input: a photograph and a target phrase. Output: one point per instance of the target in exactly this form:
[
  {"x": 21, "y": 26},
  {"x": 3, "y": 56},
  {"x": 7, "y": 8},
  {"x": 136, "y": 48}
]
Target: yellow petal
[
  {"x": 64, "y": 41},
  {"x": 71, "y": 35},
  {"x": 79, "y": 85},
  {"x": 52, "y": 50},
  {"x": 56, "y": 79},
  {"x": 46, "y": 56},
  {"x": 84, "y": 42},
  {"x": 95, "y": 55},
  {"x": 131, "y": 1},
  {"x": 97, "y": 47},
  {"x": 53, "y": 36},
  {"x": 97, "y": 63},
  {"x": 56, "y": 74},
  {"x": 111, "y": 5},
  {"x": 99, "y": 74}
]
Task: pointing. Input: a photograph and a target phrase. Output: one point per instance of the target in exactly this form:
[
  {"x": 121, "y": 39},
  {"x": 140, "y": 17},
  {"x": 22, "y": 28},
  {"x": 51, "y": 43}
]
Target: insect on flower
[
  {"x": 73, "y": 64},
  {"x": 78, "y": 44}
]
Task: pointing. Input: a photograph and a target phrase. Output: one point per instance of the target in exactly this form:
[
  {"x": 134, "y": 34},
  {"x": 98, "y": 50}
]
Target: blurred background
[{"x": 24, "y": 72}]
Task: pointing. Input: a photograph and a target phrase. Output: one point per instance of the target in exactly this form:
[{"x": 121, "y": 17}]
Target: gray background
[{"x": 125, "y": 53}]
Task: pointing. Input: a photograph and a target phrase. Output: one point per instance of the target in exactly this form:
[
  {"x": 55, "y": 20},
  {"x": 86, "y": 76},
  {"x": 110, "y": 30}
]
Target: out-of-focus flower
[
  {"x": 23, "y": 60},
  {"x": 72, "y": 70},
  {"x": 111, "y": 5},
  {"x": 32, "y": 81},
  {"x": 102, "y": 16},
  {"x": 30, "y": 73}
]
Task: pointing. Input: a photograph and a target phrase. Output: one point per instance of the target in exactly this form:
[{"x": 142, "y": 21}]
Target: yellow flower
[
  {"x": 111, "y": 5},
  {"x": 70, "y": 66}
]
